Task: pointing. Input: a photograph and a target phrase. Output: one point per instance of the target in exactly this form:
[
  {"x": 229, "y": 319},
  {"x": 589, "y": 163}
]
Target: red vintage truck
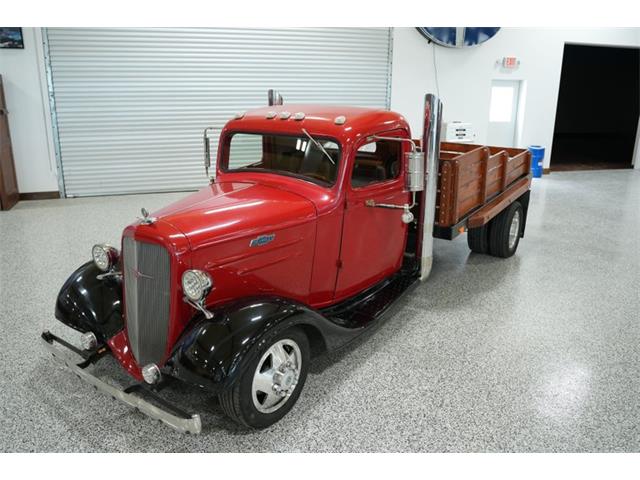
[{"x": 316, "y": 221}]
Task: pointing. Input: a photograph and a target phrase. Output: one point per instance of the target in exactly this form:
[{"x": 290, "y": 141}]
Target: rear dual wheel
[
  {"x": 478, "y": 239},
  {"x": 501, "y": 236},
  {"x": 505, "y": 230}
]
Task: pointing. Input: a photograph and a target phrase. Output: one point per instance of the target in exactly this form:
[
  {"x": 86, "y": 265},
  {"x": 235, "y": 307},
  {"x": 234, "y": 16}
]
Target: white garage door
[{"x": 131, "y": 104}]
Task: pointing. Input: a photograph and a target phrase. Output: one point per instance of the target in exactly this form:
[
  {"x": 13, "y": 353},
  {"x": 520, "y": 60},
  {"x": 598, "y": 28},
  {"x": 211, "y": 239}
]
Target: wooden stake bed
[{"x": 476, "y": 183}]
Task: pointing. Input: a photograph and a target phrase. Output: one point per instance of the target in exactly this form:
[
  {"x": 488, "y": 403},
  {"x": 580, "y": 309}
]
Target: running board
[{"x": 371, "y": 305}]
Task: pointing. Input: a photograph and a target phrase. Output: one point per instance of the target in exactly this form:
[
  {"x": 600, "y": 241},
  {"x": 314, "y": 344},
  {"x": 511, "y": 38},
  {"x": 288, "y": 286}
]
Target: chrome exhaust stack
[
  {"x": 207, "y": 154},
  {"x": 430, "y": 145}
]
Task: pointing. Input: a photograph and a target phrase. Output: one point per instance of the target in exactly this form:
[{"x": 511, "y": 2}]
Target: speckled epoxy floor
[{"x": 540, "y": 352}]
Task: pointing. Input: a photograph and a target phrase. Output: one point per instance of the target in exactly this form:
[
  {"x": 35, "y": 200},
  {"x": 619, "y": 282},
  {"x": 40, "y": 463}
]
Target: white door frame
[{"x": 635, "y": 160}]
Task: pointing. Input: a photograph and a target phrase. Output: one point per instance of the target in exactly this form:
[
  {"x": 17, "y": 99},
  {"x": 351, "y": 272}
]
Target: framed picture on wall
[{"x": 11, "y": 37}]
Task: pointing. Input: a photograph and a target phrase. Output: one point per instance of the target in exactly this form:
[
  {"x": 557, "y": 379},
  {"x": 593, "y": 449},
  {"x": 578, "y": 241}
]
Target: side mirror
[{"x": 415, "y": 162}]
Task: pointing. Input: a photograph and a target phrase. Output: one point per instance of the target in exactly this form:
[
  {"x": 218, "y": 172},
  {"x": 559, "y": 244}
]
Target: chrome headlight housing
[
  {"x": 196, "y": 285},
  {"x": 105, "y": 257}
]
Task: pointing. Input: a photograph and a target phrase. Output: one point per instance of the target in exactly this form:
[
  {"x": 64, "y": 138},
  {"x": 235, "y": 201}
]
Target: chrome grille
[{"x": 147, "y": 293}]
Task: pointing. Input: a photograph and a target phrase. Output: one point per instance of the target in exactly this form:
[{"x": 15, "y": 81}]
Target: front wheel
[{"x": 271, "y": 383}]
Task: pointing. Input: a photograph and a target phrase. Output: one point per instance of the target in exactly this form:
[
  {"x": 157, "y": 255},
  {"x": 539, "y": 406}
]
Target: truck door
[{"x": 373, "y": 239}]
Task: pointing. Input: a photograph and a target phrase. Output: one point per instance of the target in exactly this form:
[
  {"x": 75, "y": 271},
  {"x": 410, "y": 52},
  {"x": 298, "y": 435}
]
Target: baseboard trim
[
  {"x": 39, "y": 195},
  {"x": 546, "y": 171}
]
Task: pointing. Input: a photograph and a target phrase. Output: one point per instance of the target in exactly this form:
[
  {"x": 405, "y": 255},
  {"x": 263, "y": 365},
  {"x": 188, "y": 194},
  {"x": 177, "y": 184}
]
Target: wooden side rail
[
  {"x": 498, "y": 204},
  {"x": 471, "y": 175}
]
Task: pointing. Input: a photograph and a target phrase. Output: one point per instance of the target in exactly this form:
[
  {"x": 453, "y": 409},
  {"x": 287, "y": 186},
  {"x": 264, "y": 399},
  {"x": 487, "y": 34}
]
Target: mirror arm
[
  {"x": 414, "y": 147},
  {"x": 207, "y": 154},
  {"x": 407, "y": 216}
]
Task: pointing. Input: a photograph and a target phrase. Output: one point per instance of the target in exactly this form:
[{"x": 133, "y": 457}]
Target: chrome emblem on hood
[
  {"x": 146, "y": 219},
  {"x": 262, "y": 240}
]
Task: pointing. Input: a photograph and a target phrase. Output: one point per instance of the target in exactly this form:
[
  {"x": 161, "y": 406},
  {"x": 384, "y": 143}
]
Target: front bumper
[{"x": 166, "y": 413}]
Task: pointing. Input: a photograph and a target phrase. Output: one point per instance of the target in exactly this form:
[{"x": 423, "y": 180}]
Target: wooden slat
[
  {"x": 505, "y": 173},
  {"x": 455, "y": 177},
  {"x": 471, "y": 175},
  {"x": 485, "y": 172},
  {"x": 498, "y": 204},
  {"x": 458, "y": 147},
  {"x": 443, "y": 208}
]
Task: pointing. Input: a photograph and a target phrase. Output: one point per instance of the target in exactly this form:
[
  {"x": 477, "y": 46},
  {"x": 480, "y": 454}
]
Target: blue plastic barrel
[{"x": 537, "y": 156}]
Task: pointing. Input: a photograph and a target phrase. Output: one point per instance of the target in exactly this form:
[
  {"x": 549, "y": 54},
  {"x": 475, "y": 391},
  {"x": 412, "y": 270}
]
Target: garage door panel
[{"x": 131, "y": 104}]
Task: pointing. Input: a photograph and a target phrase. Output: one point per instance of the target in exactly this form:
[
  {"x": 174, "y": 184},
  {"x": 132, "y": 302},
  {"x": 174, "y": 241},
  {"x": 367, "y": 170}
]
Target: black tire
[
  {"x": 499, "y": 233},
  {"x": 478, "y": 239},
  {"x": 237, "y": 401}
]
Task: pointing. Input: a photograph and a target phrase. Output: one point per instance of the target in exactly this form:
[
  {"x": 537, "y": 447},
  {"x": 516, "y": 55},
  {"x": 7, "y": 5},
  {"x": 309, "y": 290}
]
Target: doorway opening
[
  {"x": 505, "y": 113},
  {"x": 598, "y": 108}
]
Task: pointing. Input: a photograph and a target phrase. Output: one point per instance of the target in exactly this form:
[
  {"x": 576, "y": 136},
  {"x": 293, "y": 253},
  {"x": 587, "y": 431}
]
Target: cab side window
[{"x": 376, "y": 162}]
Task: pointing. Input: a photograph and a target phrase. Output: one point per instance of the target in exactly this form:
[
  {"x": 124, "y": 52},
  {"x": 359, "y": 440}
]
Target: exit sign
[{"x": 510, "y": 63}]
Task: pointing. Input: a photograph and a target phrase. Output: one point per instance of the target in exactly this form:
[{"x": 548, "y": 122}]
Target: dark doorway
[{"x": 598, "y": 108}]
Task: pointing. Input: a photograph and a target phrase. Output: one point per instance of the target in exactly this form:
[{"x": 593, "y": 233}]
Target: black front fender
[
  {"x": 88, "y": 304},
  {"x": 212, "y": 353}
]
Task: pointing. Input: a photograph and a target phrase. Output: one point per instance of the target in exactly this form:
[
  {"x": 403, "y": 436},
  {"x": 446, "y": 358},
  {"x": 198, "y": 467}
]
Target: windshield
[{"x": 290, "y": 155}]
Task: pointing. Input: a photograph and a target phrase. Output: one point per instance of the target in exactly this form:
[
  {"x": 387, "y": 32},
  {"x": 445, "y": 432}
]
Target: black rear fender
[{"x": 524, "y": 201}]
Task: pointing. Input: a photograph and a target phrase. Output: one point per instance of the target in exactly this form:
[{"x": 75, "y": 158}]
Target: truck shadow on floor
[{"x": 455, "y": 283}]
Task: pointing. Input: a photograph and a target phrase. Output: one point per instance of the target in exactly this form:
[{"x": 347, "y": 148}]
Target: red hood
[{"x": 227, "y": 210}]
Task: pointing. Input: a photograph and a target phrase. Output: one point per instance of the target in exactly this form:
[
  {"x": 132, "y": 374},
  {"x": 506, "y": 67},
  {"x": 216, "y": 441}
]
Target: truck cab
[
  {"x": 314, "y": 221},
  {"x": 346, "y": 246}
]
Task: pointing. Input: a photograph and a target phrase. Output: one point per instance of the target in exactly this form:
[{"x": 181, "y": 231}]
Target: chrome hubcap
[
  {"x": 276, "y": 376},
  {"x": 514, "y": 229}
]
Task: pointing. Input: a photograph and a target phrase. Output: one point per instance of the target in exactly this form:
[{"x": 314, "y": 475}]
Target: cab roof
[{"x": 319, "y": 120}]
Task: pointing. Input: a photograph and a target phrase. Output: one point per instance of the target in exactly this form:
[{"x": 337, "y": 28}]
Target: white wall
[
  {"x": 464, "y": 79},
  {"x": 464, "y": 76},
  {"x": 28, "y": 115}
]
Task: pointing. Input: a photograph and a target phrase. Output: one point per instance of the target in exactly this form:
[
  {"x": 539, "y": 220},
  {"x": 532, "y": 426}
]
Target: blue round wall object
[{"x": 458, "y": 37}]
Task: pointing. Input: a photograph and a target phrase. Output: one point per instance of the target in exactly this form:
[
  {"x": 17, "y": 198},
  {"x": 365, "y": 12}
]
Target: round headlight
[
  {"x": 104, "y": 256},
  {"x": 196, "y": 284}
]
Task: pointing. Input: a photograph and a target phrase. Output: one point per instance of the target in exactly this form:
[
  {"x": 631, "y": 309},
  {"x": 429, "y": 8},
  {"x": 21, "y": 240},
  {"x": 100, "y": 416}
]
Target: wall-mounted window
[
  {"x": 504, "y": 113},
  {"x": 502, "y": 99}
]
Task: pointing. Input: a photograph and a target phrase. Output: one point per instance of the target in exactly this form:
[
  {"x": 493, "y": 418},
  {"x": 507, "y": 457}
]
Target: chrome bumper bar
[{"x": 177, "y": 420}]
